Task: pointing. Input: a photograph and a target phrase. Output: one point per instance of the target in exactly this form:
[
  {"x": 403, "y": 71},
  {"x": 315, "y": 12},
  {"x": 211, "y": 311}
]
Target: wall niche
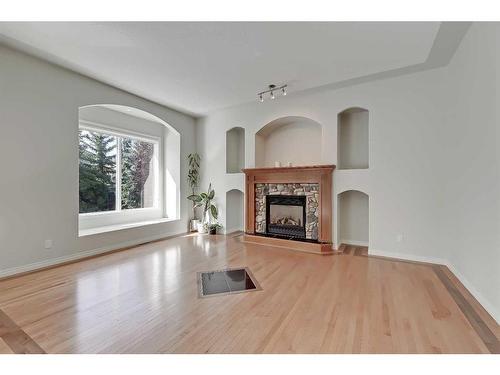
[
  {"x": 234, "y": 210},
  {"x": 292, "y": 139},
  {"x": 353, "y": 214},
  {"x": 235, "y": 150},
  {"x": 352, "y": 139}
]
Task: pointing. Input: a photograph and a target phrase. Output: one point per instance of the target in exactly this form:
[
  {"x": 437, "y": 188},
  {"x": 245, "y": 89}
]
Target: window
[
  {"x": 129, "y": 169},
  {"x": 117, "y": 171}
]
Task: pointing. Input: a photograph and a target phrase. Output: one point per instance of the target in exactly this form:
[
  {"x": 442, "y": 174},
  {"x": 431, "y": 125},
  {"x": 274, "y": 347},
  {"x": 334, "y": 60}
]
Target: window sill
[{"x": 117, "y": 227}]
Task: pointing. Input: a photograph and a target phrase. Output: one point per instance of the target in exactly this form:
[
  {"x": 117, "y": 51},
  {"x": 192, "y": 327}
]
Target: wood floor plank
[
  {"x": 482, "y": 329},
  {"x": 485, "y": 317},
  {"x": 145, "y": 300},
  {"x": 4, "y": 348},
  {"x": 14, "y": 337}
]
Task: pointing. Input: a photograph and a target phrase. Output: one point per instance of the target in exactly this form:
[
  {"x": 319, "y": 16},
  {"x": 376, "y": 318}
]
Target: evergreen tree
[
  {"x": 136, "y": 161},
  {"x": 97, "y": 171}
]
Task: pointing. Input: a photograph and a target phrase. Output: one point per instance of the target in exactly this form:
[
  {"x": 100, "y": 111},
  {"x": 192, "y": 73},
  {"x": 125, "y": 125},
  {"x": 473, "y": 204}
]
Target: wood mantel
[
  {"x": 315, "y": 174},
  {"x": 329, "y": 167}
]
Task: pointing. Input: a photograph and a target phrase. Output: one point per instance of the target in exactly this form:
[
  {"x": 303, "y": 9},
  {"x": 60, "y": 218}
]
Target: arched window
[{"x": 125, "y": 176}]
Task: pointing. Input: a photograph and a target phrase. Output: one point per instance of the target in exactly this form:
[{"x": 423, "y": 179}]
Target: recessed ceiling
[{"x": 199, "y": 67}]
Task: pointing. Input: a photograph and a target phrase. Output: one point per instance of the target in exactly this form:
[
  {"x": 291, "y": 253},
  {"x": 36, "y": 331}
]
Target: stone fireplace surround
[
  {"x": 311, "y": 191},
  {"x": 315, "y": 182}
]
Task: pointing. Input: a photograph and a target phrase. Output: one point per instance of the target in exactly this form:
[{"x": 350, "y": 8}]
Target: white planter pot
[{"x": 201, "y": 227}]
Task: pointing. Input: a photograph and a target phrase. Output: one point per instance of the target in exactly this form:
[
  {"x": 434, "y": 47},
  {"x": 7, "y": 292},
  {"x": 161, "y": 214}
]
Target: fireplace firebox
[{"x": 286, "y": 216}]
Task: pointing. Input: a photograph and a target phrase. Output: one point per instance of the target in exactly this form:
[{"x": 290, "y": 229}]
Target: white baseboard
[
  {"x": 353, "y": 243},
  {"x": 478, "y": 296},
  {"x": 80, "y": 255}
]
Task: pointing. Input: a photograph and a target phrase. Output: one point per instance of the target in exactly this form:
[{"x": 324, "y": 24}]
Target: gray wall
[{"x": 471, "y": 190}]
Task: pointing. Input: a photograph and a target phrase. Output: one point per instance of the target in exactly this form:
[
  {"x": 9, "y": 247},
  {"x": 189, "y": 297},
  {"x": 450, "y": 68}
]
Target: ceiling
[{"x": 199, "y": 67}]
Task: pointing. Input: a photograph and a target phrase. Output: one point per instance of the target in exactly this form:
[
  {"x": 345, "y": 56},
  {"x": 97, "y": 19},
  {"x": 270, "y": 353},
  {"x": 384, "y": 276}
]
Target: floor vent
[{"x": 228, "y": 281}]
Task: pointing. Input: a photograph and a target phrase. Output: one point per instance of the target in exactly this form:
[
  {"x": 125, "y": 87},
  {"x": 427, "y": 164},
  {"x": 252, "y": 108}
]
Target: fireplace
[
  {"x": 290, "y": 207},
  {"x": 286, "y": 216}
]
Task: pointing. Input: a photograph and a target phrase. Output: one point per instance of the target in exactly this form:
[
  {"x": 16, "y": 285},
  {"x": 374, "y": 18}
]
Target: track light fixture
[{"x": 271, "y": 90}]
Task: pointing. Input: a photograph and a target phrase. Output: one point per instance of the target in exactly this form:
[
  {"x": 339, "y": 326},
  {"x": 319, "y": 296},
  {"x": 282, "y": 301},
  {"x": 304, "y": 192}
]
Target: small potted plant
[
  {"x": 210, "y": 212},
  {"x": 212, "y": 228}
]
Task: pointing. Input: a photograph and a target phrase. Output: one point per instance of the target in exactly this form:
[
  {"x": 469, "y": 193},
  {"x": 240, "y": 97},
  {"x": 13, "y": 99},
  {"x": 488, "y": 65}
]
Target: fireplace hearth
[{"x": 286, "y": 216}]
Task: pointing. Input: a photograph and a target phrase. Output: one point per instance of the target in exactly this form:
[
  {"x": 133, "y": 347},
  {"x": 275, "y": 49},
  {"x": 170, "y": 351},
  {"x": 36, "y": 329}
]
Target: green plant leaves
[
  {"x": 205, "y": 199},
  {"x": 193, "y": 176},
  {"x": 214, "y": 211},
  {"x": 194, "y": 198}
]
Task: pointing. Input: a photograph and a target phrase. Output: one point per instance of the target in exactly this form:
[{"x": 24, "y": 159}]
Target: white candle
[{"x": 277, "y": 164}]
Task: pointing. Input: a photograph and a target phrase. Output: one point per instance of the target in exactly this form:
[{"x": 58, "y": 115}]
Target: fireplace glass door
[{"x": 286, "y": 215}]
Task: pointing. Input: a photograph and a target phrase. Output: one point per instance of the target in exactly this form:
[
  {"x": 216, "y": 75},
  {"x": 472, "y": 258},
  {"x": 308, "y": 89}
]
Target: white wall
[
  {"x": 353, "y": 210},
  {"x": 39, "y": 154},
  {"x": 471, "y": 190}
]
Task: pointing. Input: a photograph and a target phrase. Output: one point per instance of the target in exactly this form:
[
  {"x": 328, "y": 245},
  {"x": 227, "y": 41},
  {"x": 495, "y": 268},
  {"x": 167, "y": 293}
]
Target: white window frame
[{"x": 90, "y": 222}]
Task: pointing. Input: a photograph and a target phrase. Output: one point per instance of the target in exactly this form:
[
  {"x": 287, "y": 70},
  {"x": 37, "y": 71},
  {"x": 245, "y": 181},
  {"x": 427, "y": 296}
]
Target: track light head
[{"x": 271, "y": 91}]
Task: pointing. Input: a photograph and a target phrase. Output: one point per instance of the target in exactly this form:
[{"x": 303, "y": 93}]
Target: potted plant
[
  {"x": 193, "y": 178},
  {"x": 205, "y": 200},
  {"x": 212, "y": 228}
]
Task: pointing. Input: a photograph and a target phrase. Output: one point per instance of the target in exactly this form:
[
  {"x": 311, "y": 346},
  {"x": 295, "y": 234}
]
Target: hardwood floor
[{"x": 145, "y": 300}]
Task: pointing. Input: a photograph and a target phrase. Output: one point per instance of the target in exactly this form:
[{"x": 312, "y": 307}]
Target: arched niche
[
  {"x": 292, "y": 139},
  {"x": 234, "y": 210},
  {"x": 235, "y": 150},
  {"x": 110, "y": 118},
  {"x": 352, "y": 139},
  {"x": 352, "y": 218}
]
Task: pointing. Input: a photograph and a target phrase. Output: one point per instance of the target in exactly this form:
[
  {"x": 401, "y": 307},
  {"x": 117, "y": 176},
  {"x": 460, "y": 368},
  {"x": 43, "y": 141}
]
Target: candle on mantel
[
  {"x": 277, "y": 164},
  {"x": 289, "y": 164}
]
